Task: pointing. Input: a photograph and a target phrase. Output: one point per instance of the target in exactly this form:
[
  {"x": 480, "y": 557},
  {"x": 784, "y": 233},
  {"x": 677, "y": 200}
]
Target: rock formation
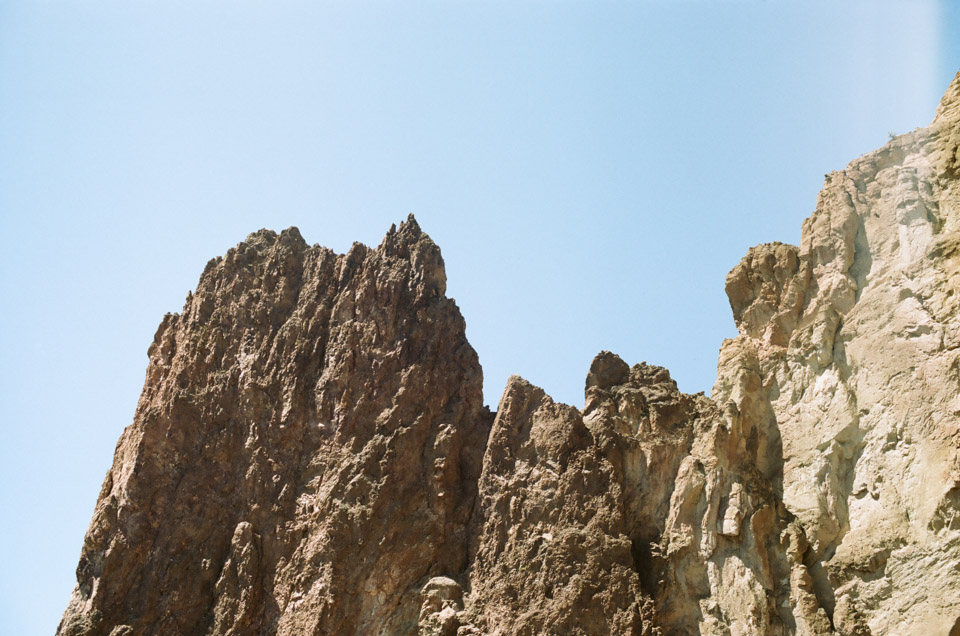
[
  {"x": 310, "y": 454},
  {"x": 306, "y": 450}
]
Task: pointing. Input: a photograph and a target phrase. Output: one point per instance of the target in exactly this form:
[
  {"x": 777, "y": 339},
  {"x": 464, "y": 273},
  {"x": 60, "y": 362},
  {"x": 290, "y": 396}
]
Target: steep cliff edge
[
  {"x": 310, "y": 454},
  {"x": 848, "y": 354}
]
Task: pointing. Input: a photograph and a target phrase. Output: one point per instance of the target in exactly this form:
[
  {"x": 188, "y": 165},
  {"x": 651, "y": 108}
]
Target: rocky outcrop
[
  {"x": 852, "y": 341},
  {"x": 305, "y": 453},
  {"x": 570, "y": 504},
  {"x": 310, "y": 454}
]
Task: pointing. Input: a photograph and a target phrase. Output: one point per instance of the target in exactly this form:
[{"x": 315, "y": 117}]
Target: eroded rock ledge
[{"x": 310, "y": 454}]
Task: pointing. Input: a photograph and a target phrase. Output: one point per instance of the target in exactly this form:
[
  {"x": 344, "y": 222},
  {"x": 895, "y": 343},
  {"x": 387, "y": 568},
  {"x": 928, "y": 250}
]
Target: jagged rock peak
[
  {"x": 310, "y": 426},
  {"x": 265, "y": 237}
]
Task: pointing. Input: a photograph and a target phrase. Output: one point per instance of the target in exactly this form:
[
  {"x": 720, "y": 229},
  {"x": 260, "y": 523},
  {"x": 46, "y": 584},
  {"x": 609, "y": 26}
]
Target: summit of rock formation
[{"x": 311, "y": 455}]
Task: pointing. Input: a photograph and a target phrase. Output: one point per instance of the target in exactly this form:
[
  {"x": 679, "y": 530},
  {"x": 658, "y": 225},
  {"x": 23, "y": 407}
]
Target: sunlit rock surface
[{"x": 310, "y": 454}]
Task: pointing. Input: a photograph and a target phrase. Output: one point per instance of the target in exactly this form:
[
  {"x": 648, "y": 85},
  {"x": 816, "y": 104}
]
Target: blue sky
[{"x": 591, "y": 172}]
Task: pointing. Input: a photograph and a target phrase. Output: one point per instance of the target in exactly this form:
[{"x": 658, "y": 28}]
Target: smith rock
[{"x": 311, "y": 454}]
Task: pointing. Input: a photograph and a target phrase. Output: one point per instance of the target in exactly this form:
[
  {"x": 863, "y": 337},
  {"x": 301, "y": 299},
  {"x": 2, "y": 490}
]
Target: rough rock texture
[
  {"x": 310, "y": 454},
  {"x": 849, "y": 354},
  {"x": 570, "y": 504},
  {"x": 304, "y": 455}
]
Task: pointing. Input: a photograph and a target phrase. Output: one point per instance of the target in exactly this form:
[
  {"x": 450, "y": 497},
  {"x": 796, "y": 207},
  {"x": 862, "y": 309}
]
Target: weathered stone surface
[
  {"x": 551, "y": 553},
  {"x": 310, "y": 454},
  {"x": 853, "y": 338},
  {"x": 571, "y": 505},
  {"x": 304, "y": 455}
]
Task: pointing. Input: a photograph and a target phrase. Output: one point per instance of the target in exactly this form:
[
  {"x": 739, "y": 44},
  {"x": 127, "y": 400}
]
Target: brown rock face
[
  {"x": 305, "y": 452},
  {"x": 571, "y": 506},
  {"x": 551, "y": 552},
  {"x": 310, "y": 454}
]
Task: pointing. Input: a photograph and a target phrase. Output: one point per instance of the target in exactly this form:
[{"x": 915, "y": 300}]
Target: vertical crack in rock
[{"x": 310, "y": 454}]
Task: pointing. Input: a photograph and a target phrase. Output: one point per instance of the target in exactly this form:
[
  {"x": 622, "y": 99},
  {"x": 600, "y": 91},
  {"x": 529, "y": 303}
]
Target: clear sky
[{"x": 591, "y": 171}]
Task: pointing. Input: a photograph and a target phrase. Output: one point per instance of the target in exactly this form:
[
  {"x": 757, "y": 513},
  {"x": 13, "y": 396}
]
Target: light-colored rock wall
[{"x": 853, "y": 344}]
